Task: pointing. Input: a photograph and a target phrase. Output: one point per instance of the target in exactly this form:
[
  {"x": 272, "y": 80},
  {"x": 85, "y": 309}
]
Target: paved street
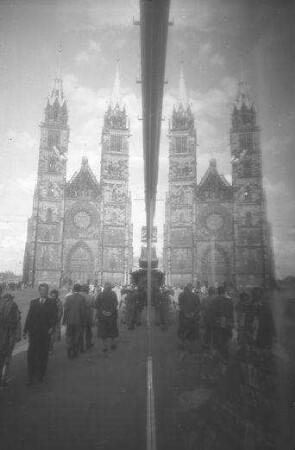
[{"x": 99, "y": 401}]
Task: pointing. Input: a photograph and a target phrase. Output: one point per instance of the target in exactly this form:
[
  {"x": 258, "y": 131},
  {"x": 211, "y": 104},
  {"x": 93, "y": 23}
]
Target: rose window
[{"x": 82, "y": 219}]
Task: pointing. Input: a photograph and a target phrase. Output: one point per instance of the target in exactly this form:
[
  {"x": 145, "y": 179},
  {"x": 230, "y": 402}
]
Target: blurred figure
[
  {"x": 135, "y": 301},
  {"x": 87, "y": 332},
  {"x": 10, "y": 333},
  {"x": 161, "y": 303},
  {"x": 117, "y": 289},
  {"x": 189, "y": 308},
  {"x": 56, "y": 335},
  {"x": 39, "y": 325},
  {"x": 122, "y": 304},
  {"x": 245, "y": 320},
  {"x": 265, "y": 331},
  {"x": 207, "y": 317},
  {"x": 177, "y": 292},
  {"x": 131, "y": 309},
  {"x": 223, "y": 321},
  {"x": 141, "y": 301},
  {"x": 106, "y": 306},
  {"x": 74, "y": 319}
]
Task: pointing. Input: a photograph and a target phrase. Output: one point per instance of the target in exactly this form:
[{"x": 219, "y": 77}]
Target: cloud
[
  {"x": 90, "y": 15},
  {"x": 95, "y": 46},
  {"x": 86, "y": 56},
  {"x": 284, "y": 257},
  {"x": 12, "y": 248},
  {"x": 216, "y": 60},
  {"x": 22, "y": 149},
  {"x": 82, "y": 58}
]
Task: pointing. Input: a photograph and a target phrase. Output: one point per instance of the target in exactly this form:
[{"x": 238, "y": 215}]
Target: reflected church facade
[
  {"x": 217, "y": 232},
  {"x": 80, "y": 230}
]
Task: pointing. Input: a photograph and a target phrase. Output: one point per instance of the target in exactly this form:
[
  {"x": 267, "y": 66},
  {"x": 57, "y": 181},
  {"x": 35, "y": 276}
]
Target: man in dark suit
[
  {"x": 39, "y": 325},
  {"x": 74, "y": 319},
  {"x": 189, "y": 310}
]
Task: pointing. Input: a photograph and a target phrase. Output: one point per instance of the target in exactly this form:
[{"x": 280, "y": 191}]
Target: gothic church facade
[
  {"x": 217, "y": 232},
  {"x": 80, "y": 230}
]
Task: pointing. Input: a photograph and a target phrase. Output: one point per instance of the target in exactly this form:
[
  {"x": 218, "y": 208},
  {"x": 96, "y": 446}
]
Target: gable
[
  {"x": 83, "y": 184},
  {"x": 213, "y": 186}
]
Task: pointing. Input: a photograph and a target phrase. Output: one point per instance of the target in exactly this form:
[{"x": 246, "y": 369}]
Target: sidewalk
[{"x": 94, "y": 402}]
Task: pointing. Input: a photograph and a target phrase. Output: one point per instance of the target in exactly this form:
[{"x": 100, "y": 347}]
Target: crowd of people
[
  {"x": 217, "y": 317},
  {"x": 12, "y": 285},
  {"x": 212, "y": 317}
]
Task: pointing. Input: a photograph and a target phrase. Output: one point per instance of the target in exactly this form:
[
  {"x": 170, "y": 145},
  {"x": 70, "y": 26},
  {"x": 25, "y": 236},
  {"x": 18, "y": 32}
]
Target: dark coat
[
  {"x": 189, "y": 303},
  {"x": 221, "y": 311},
  {"x": 106, "y": 302},
  {"x": 40, "y": 318},
  {"x": 106, "y": 305},
  {"x": 74, "y": 309}
]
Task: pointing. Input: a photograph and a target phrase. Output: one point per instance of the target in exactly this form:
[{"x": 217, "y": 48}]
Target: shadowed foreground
[{"x": 99, "y": 401}]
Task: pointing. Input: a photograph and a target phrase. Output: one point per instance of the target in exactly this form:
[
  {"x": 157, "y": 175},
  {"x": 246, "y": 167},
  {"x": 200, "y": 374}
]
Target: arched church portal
[
  {"x": 80, "y": 264},
  {"x": 215, "y": 267}
]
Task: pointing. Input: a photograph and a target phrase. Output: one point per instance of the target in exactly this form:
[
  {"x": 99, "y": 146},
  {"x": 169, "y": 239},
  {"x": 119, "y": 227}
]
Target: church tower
[
  {"x": 179, "y": 250},
  {"x": 252, "y": 247},
  {"x": 43, "y": 256},
  {"x": 116, "y": 200}
]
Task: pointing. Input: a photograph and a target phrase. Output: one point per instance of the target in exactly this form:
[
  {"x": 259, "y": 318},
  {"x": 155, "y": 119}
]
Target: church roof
[
  {"x": 83, "y": 183},
  {"x": 213, "y": 185}
]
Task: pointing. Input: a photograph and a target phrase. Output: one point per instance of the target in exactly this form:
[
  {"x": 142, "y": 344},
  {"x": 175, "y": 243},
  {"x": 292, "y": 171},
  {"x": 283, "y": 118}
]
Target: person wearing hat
[
  {"x": 106, "y": 306},
  {"x": 9, "y": 327}
]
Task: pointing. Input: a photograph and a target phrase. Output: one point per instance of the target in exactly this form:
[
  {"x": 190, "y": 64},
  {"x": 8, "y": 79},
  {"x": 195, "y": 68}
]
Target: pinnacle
[
  {"x": 57, "y": 91},
  {"x": 213, "y": 163},
  {"x": 182, "y": 94},
  {"x": 243, "y": 97},
  {"x": 84, "y": 162},
  {"x": 116, "y": 94}
]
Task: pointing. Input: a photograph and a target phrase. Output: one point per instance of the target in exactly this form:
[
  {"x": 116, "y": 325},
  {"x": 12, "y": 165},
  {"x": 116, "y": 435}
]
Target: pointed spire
[
  {"x": 242, "y": 69},
  {"x": 84, "y": 164},
  {"x": 182, "y": 116},
  {"x": 213, "y": 164},
  {"x": 57, "y": 91},
  {"x": 243, "y": 97},
  {"x": 182, "y": 95},
  {"x": 116, "y": 116},
  {"x": 116, "y": 89},
  {"x": 244, "y": 112},
  {"x": 59, "y": 61}
]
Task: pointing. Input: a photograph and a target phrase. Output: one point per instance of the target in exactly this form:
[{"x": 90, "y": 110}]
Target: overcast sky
[{"x": 218, "y": 39}]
